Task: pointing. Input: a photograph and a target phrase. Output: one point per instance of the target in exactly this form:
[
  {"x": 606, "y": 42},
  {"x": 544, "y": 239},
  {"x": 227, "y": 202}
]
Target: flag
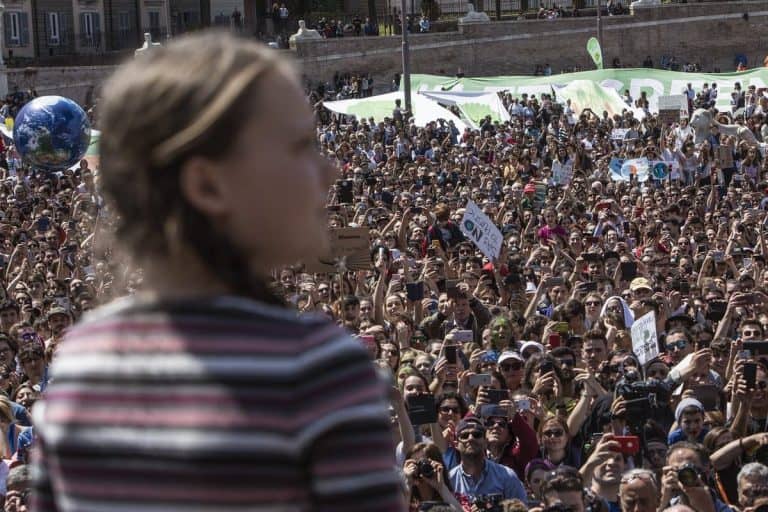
[{"x": 593, "y": 48}]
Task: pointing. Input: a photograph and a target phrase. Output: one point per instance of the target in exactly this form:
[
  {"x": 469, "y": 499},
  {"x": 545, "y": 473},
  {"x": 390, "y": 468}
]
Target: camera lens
[
  {"x": 425, "y": 468},
  {"x": 688, "y": 476}
]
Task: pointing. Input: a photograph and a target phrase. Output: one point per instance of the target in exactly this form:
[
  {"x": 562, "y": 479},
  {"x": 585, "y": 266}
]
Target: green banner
[
  {"x": 594, "y": 50},
  {"x": 654, "y": 82}
]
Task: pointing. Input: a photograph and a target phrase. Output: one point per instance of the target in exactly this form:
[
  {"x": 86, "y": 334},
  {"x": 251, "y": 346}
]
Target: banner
[
  {"x": 594, "y": 50},
  {"x": 616, "y": 166},
  {"x": 654, "y": 82},
  {"x": 474, "y": 106},
  {"x": 481, "y": 231},
  {"x": 645, "y": 343}
]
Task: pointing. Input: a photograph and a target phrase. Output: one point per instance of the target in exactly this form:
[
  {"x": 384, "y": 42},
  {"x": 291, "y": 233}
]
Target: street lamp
[{"x": 406, "y": 59}]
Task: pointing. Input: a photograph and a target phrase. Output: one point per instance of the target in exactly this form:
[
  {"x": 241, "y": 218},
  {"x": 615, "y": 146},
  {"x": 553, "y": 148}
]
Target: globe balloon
[{"x": 51, "y": 132}]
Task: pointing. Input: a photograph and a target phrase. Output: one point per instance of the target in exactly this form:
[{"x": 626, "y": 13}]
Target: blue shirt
[{"x": 495, "y": 479}]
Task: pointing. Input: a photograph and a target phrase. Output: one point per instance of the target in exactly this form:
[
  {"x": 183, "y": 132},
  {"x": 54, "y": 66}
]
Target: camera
[
  {"x": 424, "y": 469},
  {"x": 490, "y": 502},
  {"x": 688, "y": 475},
  {"x": 640, "y": 398}
]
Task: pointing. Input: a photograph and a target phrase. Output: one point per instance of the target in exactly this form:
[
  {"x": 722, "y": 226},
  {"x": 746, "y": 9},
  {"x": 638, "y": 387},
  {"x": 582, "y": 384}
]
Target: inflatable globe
[{"x": 52, "y": 132}]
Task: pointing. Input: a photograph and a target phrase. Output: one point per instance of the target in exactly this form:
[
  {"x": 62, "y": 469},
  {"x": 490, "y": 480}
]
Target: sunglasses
[
  {"x": 748, "y": 332},
  {"x": 593, "y": 303},
  {"x": 553, "y": 433},
  {"x": 506, "y": 367},
  {"x": 474, "y": 433},
  {"x": 677, "y": 345},
  {"x": 497, "y": 422},
  {"x": 450, "y": 410}
]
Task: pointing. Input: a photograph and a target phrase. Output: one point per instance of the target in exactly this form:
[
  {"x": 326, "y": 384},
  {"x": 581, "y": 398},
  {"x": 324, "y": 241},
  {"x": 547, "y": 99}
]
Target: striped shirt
[{"x": 224, "y": 404}]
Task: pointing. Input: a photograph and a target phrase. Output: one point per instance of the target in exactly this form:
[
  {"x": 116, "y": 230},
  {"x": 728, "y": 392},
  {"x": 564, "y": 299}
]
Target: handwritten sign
[
  {"x": 562, "y": 173},
  {"x": 482, "y": 231},
  {"x": 645, "y": 343}
]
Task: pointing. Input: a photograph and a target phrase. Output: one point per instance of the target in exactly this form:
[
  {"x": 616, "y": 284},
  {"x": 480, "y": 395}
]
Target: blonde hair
[{"x": 188, "y": 99}]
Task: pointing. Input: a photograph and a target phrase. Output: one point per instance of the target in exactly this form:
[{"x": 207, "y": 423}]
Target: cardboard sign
[
  {"x": 481, "y": 230},
  {"x": 562, "y": 173},
  {"x": 645, "y": 343},
  {"x": 672, "y": 108},
  {"x": 724, "y": 157},
  {"x": 350, "y": 243}
]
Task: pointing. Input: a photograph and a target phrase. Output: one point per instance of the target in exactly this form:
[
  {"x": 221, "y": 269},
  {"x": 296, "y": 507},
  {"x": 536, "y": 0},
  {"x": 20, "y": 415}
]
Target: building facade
[{"x": 51, "y": 29}]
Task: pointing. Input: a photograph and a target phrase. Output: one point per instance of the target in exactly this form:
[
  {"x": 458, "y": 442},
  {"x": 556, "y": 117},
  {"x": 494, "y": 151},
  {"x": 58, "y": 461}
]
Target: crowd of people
[{"x": 514, "y": 383}]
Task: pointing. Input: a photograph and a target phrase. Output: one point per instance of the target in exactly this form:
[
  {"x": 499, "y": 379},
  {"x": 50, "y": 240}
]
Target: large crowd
[{"x": 514, "y": 381}]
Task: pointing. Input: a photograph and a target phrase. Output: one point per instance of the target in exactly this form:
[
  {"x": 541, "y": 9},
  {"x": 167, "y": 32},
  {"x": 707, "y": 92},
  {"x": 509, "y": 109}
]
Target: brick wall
[{"x": 708, "y": 33}]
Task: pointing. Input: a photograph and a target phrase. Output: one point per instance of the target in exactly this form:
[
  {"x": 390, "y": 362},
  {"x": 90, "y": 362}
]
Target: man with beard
[
  {"x": 511, "y": 443},
  {"x": 476, "y": 476}
]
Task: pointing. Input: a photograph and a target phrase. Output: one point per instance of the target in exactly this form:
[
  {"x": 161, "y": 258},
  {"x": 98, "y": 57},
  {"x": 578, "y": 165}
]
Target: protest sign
[
  {"x": 637, "y": 167},
  {"x": 348, "y": 244},
  {"x": 619, "y": 133},
  {"x": 672, "y": 108},
  {"x": 645, "y": 343},
  {"x": 724, "y": 157},
  {"x": 481, "y": 231},
  {"x": 562, "y": 173}
]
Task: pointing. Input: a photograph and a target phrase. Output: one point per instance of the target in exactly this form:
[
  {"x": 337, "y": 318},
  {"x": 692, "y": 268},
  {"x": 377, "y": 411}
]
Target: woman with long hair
[{"x": 210, "y": 170}]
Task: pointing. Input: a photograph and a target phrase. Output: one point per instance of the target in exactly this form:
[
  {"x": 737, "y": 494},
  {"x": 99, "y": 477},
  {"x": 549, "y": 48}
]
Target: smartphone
[
  {"x": 497, "y": 395},
  {"x": 716, "y": 310},
  {"x": 416, "y": 210},
  {"x": 625, "y": 226},
  {"x": 463, "y": 336},
  {"x": 422, "y": 409},
  {"x": 590, "y": 286},
  {"x": 555, "y": 281},
  {"x": 480, "y": 379},
  {"x": 451, "y": 288},
  {"x": 415, "y": 291},
  {"x": 628, "y": 270},
  {"x": 524, "y": 404},
  {"x": 554, "y": 340},
  {"x": 750, "y": 375},
  {"x": 450, "y": 353},
  {"x": 756, "y": 348},
  {"x": 744, "y": 354},
  {"x": 718, "y": 256},
  {"x": 493, "y": 411},
  {"x": 629, "y": 445},
  {"x": 708, "y": 395},
  {"x": 681, "y": 285}
]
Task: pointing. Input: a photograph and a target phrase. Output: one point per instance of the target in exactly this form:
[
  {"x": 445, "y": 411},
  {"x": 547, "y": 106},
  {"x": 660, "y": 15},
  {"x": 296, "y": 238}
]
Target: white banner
[
  {"x": 645, "y": 343},
  {"x": 482, "y": 231}
]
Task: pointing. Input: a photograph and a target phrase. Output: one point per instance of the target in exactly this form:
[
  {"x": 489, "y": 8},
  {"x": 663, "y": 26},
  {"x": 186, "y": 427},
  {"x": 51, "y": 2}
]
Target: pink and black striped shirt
[{"x": 224, "y": 404}]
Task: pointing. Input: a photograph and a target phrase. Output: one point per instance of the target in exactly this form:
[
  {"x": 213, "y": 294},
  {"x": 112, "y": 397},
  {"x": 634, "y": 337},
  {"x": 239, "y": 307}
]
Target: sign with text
[
  {"x": 482, "y": 231},
  {"x": 562, "y": 173},
  {"x": 645, "y": 343},
  {"x": 350, "y": 244},
  {"x": 724, "y": 157},
  {"x": 672, "y": 108}
]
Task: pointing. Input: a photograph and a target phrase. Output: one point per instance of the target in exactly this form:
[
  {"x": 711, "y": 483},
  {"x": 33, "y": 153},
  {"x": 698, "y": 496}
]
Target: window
[
  {"x": 123, "y": 22},
  {"x": 14, "y": 28},
  {"x": 54, "y": 29},
  {"x": 154, "y": 20},
  {"x": 90, "y": 31}
]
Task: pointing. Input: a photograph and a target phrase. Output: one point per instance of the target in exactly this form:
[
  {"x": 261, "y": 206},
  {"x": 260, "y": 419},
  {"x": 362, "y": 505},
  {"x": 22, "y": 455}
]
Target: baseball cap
[
  {"x": 640, "y": 283},
  {"x": 530, "y": 188},
  {"x": 468, "y": 423},
  {"x": 510, "y": 354}
]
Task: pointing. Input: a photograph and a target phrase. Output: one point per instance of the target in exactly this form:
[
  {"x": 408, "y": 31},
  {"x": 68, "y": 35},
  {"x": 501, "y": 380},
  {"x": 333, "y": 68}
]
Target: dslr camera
[{"x": 424, "y": 469}]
